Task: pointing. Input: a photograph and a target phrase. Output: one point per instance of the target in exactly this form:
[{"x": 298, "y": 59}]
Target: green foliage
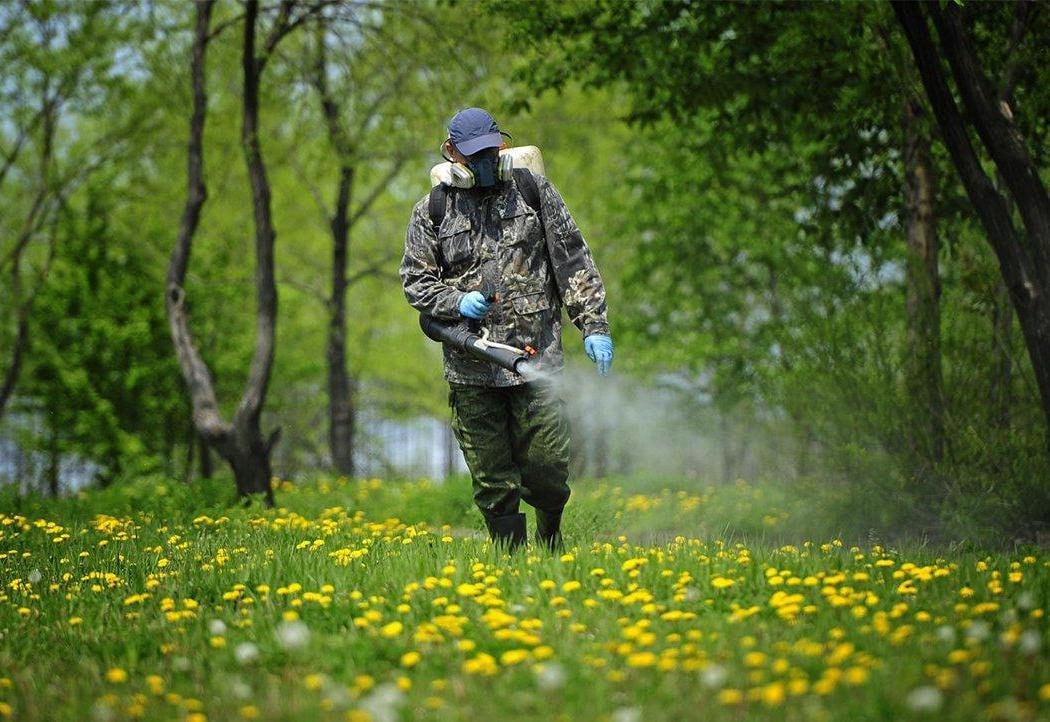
[
  {"x": 735, "y": 167},
  {"x": 101, "y": 373}
]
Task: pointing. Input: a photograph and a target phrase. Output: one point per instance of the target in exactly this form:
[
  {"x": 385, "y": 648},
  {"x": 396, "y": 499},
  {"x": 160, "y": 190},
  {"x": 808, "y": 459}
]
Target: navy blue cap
[{"x": 473, "y": 129}]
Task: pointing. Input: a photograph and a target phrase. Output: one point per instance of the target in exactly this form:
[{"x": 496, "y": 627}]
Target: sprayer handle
[{"x": 489, "y": 291}]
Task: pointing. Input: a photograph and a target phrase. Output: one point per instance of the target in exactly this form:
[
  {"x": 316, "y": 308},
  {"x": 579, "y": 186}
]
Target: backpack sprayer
[
  {"x": 469, "y": 336},
  {"x": 473, "y": 339}
]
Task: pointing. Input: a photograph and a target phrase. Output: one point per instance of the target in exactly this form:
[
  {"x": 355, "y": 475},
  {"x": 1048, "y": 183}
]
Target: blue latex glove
[
  {"x": 599, "y": 348},
  {"x": 473, "y": 305}
]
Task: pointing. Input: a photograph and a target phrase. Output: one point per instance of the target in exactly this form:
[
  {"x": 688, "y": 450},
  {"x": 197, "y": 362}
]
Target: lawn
[{"x": 380, "y": 600}]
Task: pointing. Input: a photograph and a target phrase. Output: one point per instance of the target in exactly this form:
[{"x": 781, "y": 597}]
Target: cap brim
[{"x": 472, "y": 146}]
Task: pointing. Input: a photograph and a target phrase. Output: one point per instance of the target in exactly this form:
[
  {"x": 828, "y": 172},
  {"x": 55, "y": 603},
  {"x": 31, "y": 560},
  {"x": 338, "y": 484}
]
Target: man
[{"x": 495, "y": 261}]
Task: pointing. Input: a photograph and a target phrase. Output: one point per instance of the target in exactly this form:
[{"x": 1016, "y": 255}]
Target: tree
[
  {"x": 101, "y": 375},
  {"x": 240, "y": 441},
  {"x": 58, "y": 59},
  {"x": 1024, "y": 258},
  {"x": 808, "y": 98},
  {"x": 346, "y": 144},
  {"x": 384, "y": 74}
]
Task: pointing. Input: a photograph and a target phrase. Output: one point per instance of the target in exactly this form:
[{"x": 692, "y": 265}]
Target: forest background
[{"x": 811, "y": 285}]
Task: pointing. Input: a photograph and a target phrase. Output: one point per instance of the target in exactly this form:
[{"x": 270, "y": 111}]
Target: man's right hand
[{"x": 473, "y": 305}]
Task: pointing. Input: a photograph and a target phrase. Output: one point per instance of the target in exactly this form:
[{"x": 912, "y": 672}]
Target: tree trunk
[
  {"x": 240, "y": 442},
  {"x": 250, "y": 455},
  {"x": 14, "y": 366},
  {"x": 206, "y": 465},
  {"x": 341, "y": 417},
  {"x": 54, "y": 459},
  {"x": 1024, "y": 259},
  {"x": 924, "y": 379},
  {"x": 451, "y": 447},
  {"x": 728, "y": 463},
  {"x": 341, "y": 387},
  {"x": 1001, "y": 394}
]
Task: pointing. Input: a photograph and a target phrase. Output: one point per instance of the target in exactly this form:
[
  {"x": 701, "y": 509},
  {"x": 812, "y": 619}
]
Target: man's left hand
[{"x": 599, "y": 348}]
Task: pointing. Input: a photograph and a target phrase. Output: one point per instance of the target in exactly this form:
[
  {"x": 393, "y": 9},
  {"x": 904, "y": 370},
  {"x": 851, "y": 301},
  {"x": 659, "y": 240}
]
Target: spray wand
[{"x": 473, "y": 339}]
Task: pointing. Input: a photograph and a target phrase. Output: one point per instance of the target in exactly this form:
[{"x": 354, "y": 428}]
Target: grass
[{"x": 381, "y": 600}]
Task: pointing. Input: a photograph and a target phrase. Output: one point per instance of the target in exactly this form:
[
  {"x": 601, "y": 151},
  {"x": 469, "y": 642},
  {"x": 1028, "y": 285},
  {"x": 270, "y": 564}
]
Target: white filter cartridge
[{"x": 524, "y": 156}]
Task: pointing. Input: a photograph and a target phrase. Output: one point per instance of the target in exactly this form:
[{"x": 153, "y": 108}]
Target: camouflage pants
[{"x": 515, "y": 440}]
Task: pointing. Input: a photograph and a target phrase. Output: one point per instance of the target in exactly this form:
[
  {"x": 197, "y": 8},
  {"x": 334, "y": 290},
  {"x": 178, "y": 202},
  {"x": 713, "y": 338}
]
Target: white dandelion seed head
[
  {"x": 550, "y": 676},
  {"x": 383, "y": 703},
  {"x": 516, "y": 608},
  {"x": 241, "y": 689},
  {"x": 924, "y": 699},
  {"x": 292, "y": 634},
  {"x": 627, "y": 714},
  {"x": 35, "y": 576},
  {"x": 102, "y": 712},
  {"x": 714, "y": 676},
  {"x": 337, "y": 695},
  {"x": 246, "y": 652},
  {"x": 979, "y": 630},
  {"x": 216, "y": 627},
  {"x": 1030, "y": 641},
  {"x": 181, "y": 664},
  {"x": 946, "y": 634},
  {"x": 1025, "y": 601}
]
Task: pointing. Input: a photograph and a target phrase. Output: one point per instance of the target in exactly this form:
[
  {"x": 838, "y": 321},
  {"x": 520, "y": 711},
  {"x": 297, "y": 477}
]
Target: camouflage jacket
[{"x": 536, "y": 262}]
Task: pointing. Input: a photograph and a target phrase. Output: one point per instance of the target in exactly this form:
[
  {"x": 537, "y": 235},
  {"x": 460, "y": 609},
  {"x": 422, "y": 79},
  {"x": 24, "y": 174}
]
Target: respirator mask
[{"x": 482, "y": 169}]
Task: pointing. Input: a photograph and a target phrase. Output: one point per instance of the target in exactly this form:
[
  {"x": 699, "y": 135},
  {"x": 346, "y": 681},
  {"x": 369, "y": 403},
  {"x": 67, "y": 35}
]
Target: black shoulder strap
[
  {"x": 530, "y": 190},
  {"x": 437, "y": 204}
]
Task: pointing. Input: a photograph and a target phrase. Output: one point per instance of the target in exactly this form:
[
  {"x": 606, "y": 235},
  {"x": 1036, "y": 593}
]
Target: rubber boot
[
  {"x": 548, "y": 530},
  {"x": 507, "y": 531}
]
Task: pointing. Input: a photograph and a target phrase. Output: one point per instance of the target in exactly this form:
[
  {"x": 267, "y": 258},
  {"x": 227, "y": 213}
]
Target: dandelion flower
[
  {"x": 550, "y": 676},
  {"x": 924, "y": 699},
  {"x": 292, "y": 634},
  {"x": 246, "y": 652}
]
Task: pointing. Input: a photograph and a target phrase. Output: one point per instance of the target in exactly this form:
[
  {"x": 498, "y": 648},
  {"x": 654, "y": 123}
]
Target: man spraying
[{"x": 490, "y": 259}]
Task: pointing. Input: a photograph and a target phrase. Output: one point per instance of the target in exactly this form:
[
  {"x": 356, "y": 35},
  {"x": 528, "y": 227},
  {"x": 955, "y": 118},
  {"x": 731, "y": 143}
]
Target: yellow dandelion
[
  {"x": 513, "y": 656},
  {"x": 730, "y": 696}
]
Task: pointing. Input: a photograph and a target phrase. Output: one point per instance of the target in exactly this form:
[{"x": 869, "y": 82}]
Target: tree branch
[
  {"x": 285, "y": 24},
  {"x": 377, "y": 191}
]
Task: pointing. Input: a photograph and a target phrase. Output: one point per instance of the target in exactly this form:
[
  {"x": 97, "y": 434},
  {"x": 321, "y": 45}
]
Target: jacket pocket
[
  {"x": 521, "y": 225},
  {"x": 456, "y": 242},
  {"x": 526, "y": 303}
]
